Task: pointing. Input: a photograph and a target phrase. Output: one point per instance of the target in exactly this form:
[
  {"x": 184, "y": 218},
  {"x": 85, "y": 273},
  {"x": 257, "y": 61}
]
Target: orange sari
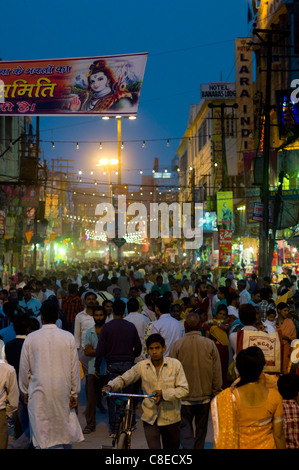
[
  {"x": 242, "y": 427},
  {"x": 287, "y": 328}
]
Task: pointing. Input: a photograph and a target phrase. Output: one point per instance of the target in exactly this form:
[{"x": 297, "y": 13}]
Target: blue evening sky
[{"x": 189, "y": 43}]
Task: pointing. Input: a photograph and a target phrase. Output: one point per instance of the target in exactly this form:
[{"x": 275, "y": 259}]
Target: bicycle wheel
[{"x": 123, "y": 441}]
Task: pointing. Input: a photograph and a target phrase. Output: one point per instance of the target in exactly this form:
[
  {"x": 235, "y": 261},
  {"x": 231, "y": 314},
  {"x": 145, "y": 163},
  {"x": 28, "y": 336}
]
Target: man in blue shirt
[{"x": 30, "y": 304}]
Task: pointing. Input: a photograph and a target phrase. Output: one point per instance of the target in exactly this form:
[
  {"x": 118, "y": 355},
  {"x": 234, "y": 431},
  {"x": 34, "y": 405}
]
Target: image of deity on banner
[
  {"x": 106, "y": 88},
  {"x": 225, "y": 207}
]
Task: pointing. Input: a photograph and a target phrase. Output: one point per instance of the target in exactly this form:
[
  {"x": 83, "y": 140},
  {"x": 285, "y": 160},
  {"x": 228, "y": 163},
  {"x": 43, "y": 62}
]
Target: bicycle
[{"x": 125, "y": 428}]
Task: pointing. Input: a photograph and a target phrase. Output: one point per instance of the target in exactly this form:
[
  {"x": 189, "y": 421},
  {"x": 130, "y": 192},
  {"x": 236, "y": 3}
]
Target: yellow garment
[
  {"x": 237, "y": 426},
  {"x": 81, "y": 371},
  {"x": 219, "y": 335},
  {"x": 224, "y": 418},
  {"x": 284, "y": 298}
]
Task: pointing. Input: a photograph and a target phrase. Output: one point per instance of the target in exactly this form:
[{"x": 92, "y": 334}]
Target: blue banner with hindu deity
[{"x": 108, "y": 85}]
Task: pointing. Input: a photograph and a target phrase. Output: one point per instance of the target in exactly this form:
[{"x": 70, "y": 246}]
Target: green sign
[{"x": 119, "y": 241}]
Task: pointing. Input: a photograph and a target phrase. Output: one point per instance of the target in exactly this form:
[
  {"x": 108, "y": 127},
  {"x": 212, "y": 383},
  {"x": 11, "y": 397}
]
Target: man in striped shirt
[{"x": 71, "y": 305}]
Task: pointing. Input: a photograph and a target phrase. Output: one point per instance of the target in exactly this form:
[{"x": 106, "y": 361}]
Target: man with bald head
[{"x": 201, "y": 363}]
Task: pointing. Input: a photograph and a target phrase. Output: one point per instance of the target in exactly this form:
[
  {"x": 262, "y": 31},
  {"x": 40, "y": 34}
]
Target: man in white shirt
[
  {"x": 244, "y": 295},
  {"x": 9, "y": 399},
  {"x": 138, "y": 319},
  {"x": 167, "y": 326},
  {"x": 49, "y": 376},
  {"x": 83, "y": 321}
]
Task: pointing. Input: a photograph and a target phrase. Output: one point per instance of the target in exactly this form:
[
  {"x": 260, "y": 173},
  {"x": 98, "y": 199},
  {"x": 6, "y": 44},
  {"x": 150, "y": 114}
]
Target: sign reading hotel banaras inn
[{"x": 108, "y": 85}]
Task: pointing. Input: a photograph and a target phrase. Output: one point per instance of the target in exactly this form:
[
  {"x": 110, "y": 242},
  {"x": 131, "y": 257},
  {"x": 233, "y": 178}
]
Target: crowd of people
[{"x": 167, "y": 330}]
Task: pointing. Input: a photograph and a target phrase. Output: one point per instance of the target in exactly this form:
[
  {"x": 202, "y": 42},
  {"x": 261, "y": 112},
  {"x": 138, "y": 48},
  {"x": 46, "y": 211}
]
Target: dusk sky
[{"x": 188, "y": 43}]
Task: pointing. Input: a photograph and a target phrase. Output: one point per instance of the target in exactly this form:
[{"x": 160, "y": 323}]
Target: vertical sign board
[
  {"x": 225, "y": 247},
  {"x": 244, "y": 99}
]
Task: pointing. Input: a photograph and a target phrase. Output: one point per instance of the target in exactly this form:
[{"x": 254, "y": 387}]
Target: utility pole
[
  {"x": 35, "y": 214},
  {"x": 265, "y": 262}
]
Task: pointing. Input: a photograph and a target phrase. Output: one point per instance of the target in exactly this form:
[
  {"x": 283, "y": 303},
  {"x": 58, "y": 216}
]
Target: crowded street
[{"x": 149, "y": 229}]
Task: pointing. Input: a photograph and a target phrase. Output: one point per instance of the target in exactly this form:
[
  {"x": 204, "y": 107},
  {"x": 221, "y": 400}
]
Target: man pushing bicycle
[{"x": 165, "y": 377}]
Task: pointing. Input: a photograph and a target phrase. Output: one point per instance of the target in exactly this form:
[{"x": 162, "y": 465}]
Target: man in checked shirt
[
  {"x": 288, "y": 387},
  {"x": 165, "y": 377},
  {"x": 71, "y": 305}
]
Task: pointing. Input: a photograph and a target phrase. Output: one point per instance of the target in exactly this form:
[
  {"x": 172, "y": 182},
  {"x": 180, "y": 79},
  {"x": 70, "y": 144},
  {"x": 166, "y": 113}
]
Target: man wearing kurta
[{"x": 50, "y": 376}]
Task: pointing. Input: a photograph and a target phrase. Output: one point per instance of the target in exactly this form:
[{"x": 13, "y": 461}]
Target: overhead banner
[
  {"x": 107, "y": 85},
  {"x": 225, "y": 207},
  {"x": 244, "y": 98}
]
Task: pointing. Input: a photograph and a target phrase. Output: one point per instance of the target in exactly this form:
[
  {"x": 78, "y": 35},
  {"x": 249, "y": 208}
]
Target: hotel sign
[{"x": 218, "y": 90}]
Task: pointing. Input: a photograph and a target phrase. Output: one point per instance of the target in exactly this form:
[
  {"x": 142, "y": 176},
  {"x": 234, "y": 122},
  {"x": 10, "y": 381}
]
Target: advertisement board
[{"x": 107, "y": 85}]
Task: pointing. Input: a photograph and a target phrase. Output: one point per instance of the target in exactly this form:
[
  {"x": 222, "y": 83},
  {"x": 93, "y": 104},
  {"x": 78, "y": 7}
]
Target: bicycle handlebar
[{"x": 129, "y": 395}]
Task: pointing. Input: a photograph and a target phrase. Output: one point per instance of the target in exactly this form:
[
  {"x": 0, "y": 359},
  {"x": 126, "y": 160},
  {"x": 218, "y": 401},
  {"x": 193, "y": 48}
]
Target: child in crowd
[
  {"x": 288, "y": 387},
  {"x": 270, "y": 323}
]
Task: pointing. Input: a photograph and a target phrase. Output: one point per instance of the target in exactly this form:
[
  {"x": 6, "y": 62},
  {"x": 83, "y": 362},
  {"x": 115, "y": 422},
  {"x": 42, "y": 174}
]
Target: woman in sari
[
  {"x": 218, "y": 333},
  {"x": 248, "y": 415},
  {"x": 288, "y": 330}
]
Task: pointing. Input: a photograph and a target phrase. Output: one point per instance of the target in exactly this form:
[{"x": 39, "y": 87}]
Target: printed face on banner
[
  {"x": 225, "y": 207},
  {"x": 109, "y": 85}
]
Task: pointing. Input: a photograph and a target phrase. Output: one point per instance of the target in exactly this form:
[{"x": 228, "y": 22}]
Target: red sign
[{"x": 225, "y": 247}]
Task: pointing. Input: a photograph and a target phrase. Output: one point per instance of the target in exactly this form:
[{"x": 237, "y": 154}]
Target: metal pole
[{"x": 119, "y": 173}]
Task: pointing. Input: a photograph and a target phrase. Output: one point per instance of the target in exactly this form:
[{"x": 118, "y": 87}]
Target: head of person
[
  {"x": 201, "y": 288},
  {"x": 21, "y": 324},
  {"x": 193, "y": 321},
  {"x": 176, "y": 311},
  {"x": 117, "y": 293},
  {"x": 169, "y": 296},
  {"x": 241, "y": 285},
  {"x": 228, "y": 283},
  {"x": 247, "y": 314},
  {"x": 149, "y": 301},
  {"x": 12, "y": 293},
  {"x": 132, "y": 305},
  {"x": 233, "y": 299},
  {"x": 73, "y": 289},
  {"x": 266, "y": 281},
  {"x": 155, "y": 345},
  {"x": 49, "y": 312},
  {"x": 256, "y": 296},
  {"x": 159, "y": 280},
  {"x": 4, "y": 295},
  {"x": 222, "y": 292},
  {"x": 64, "y": 284},
  {"x": 221, "y": 312},
  {"x": 99, "y": 315},
  {"x": 27, "y": 291},
  {"x": 102, "y": 286},
  {"x": 265, "y": 293},
  {"x": 119, "y": 308},
  {"x": 288, "y": 386},
  {"x": 133, "y": 292},
  {"x": 162, "y": 306},
  {"x": 34, "y": 325},
  {"x": 271, "y": 315},
  {"x": 283, "y": 309},
  {"x": 108, "y": 306},
  {"x": 90, "y": 299},
  {"x": 250, "y": 363}
]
